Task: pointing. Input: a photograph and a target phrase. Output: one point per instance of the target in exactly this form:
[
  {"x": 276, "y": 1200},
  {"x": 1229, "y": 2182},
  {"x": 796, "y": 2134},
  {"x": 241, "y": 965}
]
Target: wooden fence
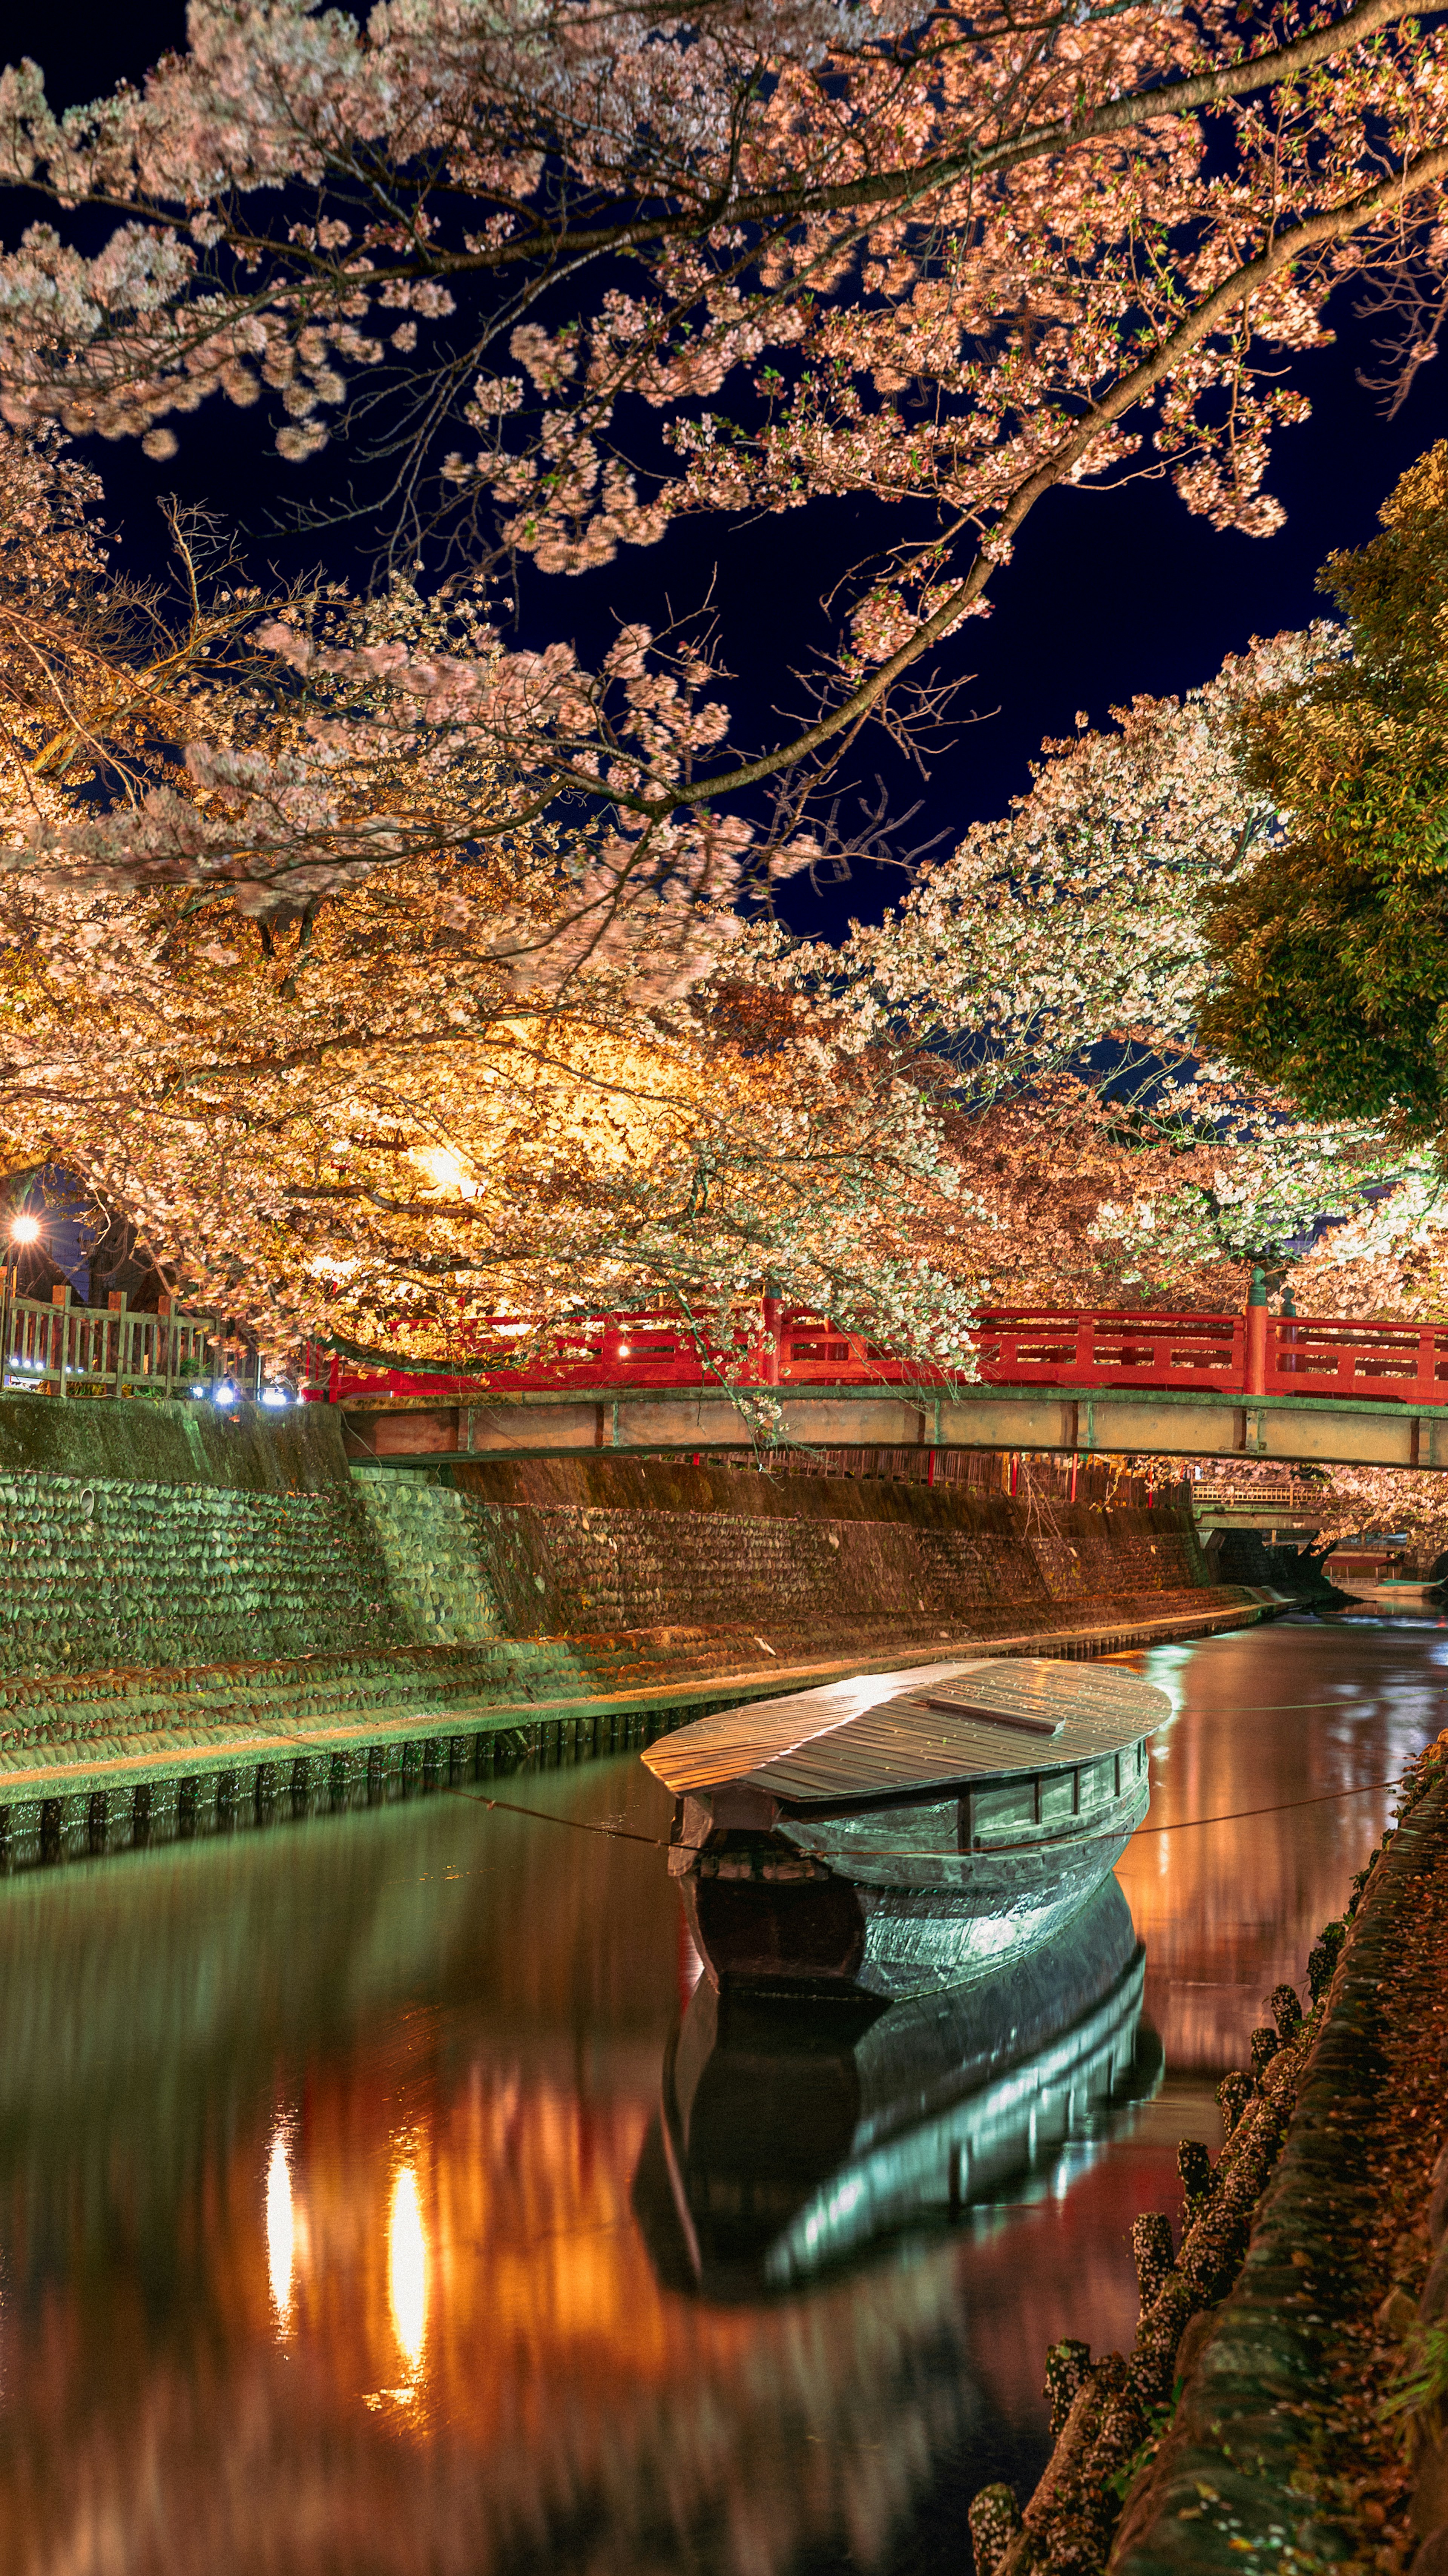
[{"x": 61, "y": 1349}]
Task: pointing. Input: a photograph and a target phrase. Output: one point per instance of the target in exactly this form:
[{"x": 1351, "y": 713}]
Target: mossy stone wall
[{"x": 139, "y": 1534}]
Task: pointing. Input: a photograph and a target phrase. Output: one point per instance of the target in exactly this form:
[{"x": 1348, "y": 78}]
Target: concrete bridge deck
[{"x": 1074, "y": 1422}]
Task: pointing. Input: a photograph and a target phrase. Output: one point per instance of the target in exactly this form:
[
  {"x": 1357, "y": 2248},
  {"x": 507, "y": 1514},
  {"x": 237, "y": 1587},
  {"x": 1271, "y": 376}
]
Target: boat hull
[{"x": 772, "y": 1918}]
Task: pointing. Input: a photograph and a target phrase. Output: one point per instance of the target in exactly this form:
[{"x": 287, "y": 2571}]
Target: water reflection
[
  {"x": 407, "y": 2267},
  {"x": 1266, "y": 1718},
  {"x": 322, "y": 2167},
  {"x": 793, "y": 2136},
  {"x": 281, "y": 2230}
]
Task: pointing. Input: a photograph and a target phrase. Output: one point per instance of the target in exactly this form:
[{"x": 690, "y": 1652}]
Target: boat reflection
[{"x": 791, "y": 2135}]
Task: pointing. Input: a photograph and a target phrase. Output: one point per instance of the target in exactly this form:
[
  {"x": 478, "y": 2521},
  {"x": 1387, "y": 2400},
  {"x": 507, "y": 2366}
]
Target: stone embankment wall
[
  {"x": 155, "y": 1536},
  {"x": 604, "y": 1545},
  {"x": 102, "y": 1572}
]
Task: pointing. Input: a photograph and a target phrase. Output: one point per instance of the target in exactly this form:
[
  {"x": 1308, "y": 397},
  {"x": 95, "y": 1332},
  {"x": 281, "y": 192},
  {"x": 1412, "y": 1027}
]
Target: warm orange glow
[
  {"x": 446, "y": 1170},
  {"x": 407, "y": 2267},
  {"x": 281, "y": 2230}
]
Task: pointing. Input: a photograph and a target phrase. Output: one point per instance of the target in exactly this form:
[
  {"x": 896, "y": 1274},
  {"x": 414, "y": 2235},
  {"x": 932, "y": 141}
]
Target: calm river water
[{"x": 335, "y": 2224}]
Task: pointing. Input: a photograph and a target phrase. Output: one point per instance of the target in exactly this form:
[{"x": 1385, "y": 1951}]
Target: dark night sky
[{"x": 1110, "y": 593}]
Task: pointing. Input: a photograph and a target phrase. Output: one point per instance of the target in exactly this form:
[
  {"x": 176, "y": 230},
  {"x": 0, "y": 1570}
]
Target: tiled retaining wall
[
  {"x": 665, "y": 1547},
  {"x": 437, "y": 1548},
  {"x": 226, "y": 1545},
  {"x": 97, "y": 1572}
]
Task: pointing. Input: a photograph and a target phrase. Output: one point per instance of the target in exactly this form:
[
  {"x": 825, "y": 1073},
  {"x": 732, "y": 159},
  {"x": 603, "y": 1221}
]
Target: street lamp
[{"x": 24, "y": 1229}]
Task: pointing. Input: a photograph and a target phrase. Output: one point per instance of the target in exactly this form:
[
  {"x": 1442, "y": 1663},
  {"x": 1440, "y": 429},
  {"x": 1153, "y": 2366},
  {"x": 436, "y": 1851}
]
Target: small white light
[
  {"x": 226, "y": 1392},
  {"x": 25, "y": 1229},
  {"x": 275, "y": 1395},
  {"x": 199, "y": 1390}
]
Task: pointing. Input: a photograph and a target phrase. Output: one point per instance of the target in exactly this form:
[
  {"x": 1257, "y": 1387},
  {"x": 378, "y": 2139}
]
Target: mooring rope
[
  {"x": 575, "y": 1824},
  {"x": 887, "y": 1851},
  {"x": 1322, "y": 1798}
]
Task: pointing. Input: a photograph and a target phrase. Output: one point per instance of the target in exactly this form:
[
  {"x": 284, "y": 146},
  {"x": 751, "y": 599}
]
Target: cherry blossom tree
[
  {"x": 561, "y": 278},
  {"x": 1409, "y": 1501},
  {"x": 567, "y": 275},
  {"x": 352, "y": 1078},
  {"x": 272, "y": 751},
  {"x": 1068, "y": 942},
  {"x": 358, "y": 1129}
]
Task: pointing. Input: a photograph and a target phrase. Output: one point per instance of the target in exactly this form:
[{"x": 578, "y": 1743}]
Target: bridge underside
[
  {"x": 1280, "y": 1521},
  {"x": 1083, "y": 1423}
]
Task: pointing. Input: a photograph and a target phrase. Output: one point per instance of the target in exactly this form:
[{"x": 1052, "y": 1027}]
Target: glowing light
[
  {"x": 226, "y": 1392},
  {"x": 407, "y": 2266},
  {"x": 25, "y": 1229},
  {"x": 281, "y": 2230},
  {"x": 275, "y": 1395},
  {"x": 445, "y": 1169}
]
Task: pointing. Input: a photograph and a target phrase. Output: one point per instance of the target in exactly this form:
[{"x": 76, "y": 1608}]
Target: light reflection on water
[
  {"x": 281, "y": 2229},
  {"x": 325, "y": 2228},
  {"x": 407, "y": 2268}
]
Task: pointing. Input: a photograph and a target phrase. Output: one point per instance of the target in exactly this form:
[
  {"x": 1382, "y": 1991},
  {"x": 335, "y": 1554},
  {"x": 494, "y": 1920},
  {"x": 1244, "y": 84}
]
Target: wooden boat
[
  {"x": 905, "y": 1831},
  {"x": 1397, "y": 1592},
  {"x": 789, "y": 2140}
]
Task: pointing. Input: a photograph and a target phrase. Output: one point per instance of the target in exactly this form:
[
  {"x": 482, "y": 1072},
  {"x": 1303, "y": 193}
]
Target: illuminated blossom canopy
[
  {"x": 557, "y": 278},
  {"x": 566, "y": 274},
  {"x": 1121, "y": 1160},
  {"x": 352, "y": 1083},
  {"x": 349, "y": 1081}
]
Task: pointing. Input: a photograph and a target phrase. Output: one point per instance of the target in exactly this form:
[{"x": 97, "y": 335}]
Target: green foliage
[
  {"x": 1423, "y": 2381},
  {"x": 1331, "y": 946},
  {"x": 1122, "y": 2479}
]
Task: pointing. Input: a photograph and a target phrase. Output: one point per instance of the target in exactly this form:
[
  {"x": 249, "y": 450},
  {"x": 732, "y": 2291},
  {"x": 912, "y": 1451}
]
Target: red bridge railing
[{"x": 1249, "y": 1354}]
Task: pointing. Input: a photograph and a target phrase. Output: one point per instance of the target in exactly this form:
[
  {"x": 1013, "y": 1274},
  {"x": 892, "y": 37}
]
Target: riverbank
[
  {"x": 1309, "y": 2426},
  {"x": 1295, "y": 2416},
  {"x": 194, "y": 1609}
]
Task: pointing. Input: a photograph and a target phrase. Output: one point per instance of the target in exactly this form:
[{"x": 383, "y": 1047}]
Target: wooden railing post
[
  {"x": 116, "y": 1305},
  {"x": 1255, "y": 1373},
  {"x": 773, "y": 1334},
  {"x": 60, "y": 1335}
]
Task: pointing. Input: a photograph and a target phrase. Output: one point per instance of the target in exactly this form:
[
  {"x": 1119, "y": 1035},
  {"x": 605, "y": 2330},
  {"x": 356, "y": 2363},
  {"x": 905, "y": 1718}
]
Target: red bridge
[
  {"x": 1252, "y": 1383},
  {"x": 1252, "y": 1353}
]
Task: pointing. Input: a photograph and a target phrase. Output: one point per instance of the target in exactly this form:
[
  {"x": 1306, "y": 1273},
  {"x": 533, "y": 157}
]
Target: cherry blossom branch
[
  {"x": 1284, "y": 253},
  {"x": 898, "y": 188}
]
